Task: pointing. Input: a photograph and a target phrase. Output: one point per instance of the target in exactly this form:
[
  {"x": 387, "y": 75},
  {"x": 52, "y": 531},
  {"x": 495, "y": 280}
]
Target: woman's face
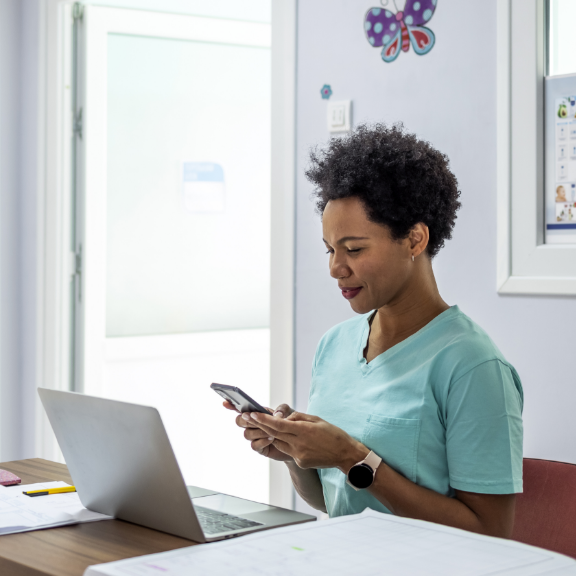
[{"x": 371, "y": 268}]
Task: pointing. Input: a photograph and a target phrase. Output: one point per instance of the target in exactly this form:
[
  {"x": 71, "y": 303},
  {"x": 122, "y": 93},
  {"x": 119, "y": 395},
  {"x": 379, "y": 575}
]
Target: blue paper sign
[{"x": 203, "y": 187}]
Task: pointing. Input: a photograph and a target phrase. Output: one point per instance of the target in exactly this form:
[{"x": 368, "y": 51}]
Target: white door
[{"x": 174, "y": 218}]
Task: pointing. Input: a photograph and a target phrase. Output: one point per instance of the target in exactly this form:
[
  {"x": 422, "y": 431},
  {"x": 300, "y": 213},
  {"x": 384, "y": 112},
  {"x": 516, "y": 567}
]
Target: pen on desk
[{"x": 32, "y": 493}]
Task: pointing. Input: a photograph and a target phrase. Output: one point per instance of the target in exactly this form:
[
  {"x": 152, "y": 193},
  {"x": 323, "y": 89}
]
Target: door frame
[
  {"x": 58, "y": 264},
  {"x": 54, "y": 256},
  {"x": 283, "y": 225}
]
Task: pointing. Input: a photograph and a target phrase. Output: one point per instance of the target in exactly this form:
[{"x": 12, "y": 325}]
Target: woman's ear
[{"x": 419, "y": 237}]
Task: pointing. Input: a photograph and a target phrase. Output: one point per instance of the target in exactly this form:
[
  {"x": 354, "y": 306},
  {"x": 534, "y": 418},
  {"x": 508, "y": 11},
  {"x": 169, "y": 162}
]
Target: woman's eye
[{"x": 350, "y": 251}]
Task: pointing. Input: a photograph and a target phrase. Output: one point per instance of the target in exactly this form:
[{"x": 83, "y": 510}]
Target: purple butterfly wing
[
  {"x": 419, "y": 12},
  {"x": 380, "y": 26}
]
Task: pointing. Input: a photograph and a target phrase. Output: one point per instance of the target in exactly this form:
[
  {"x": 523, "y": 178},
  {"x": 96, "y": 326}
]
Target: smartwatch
[{"x": 362, "y": 474}]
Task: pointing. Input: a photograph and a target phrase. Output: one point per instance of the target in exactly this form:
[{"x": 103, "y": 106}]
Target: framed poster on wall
[{"x": 560, "y": 159}]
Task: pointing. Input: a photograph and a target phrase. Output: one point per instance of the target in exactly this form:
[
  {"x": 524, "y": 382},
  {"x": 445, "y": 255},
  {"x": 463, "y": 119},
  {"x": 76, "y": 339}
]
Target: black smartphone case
[{"x": 239, "y": 398}]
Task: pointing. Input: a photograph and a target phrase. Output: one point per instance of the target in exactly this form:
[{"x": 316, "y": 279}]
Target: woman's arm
[
  {"x": 306, "y": 481},
  {"x": 491, "y": 514},
  {"x": 314, "y": 443},
  {"x": 307, "y": 484}
]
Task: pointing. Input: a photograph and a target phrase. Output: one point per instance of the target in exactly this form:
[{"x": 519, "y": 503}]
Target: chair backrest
[{"x": 546, "y": 511}]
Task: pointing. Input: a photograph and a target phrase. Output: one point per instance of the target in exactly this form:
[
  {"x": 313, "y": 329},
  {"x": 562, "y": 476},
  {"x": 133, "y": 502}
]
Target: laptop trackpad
[{"x": 230, "y": 504}]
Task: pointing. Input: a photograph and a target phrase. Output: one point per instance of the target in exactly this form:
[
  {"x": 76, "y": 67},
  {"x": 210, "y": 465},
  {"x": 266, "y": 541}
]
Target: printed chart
[
  {"x": 560, "y": 160},
  {"x": 367, "y": 543}
]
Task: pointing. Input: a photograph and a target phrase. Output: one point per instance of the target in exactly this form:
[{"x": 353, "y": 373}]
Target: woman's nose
[{"x": 338, "y": 268}]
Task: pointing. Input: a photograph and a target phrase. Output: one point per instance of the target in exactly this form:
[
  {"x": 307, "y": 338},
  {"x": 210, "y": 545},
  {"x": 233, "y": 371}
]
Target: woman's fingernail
[
  {"x": 279, "y": 413},
  {"x": 246, "y": 416},
  {"x": 270, "y": 438}
]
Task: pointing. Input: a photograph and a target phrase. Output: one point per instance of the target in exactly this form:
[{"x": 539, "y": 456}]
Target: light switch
[{"x": 339, "y": 116}]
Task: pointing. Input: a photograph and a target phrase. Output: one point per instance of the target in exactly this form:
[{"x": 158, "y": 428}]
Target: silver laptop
[{"x": 122, "y": 464}]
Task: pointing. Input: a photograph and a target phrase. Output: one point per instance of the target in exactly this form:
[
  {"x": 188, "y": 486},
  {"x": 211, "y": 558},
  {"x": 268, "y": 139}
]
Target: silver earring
[{"x": 412, "y": 257}]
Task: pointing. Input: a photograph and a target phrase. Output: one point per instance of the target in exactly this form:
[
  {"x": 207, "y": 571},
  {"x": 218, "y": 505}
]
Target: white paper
[
  {"x": 21, "y": 513},
  {"x": 367, "y": 543}
]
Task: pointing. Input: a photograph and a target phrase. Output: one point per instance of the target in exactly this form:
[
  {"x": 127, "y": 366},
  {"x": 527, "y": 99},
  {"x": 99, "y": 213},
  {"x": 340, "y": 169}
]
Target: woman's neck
[{"x": 417, "y": 305}]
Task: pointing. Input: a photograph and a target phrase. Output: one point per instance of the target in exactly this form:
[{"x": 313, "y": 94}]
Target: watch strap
[{"x": 373, "y": 460}]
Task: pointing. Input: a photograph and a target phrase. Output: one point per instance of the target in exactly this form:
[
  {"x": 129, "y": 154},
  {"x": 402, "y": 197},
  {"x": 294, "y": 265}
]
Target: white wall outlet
[{"x": 339, "y": 113}]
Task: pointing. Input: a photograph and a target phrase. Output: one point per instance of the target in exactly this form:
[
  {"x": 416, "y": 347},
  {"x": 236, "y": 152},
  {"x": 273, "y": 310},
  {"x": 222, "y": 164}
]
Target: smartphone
[{"x": 238, "y": 398}]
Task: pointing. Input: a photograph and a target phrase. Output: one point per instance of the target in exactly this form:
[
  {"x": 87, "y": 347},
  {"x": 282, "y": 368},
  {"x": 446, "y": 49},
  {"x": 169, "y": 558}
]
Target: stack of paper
[
  {"x": 20, "y": 513},
  {"x": 367, "y": 543}
]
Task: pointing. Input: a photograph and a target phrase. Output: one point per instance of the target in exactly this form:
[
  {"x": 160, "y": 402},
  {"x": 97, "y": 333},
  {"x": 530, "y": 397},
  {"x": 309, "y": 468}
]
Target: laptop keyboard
[{"x": 213, "y": 522}]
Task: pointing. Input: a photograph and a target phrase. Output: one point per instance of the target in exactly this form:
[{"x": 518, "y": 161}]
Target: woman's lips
[{"x": 350, "y": 293}]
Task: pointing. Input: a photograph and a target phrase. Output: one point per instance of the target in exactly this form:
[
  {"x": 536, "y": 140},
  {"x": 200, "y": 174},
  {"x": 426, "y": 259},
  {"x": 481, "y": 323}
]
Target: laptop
[{"x": 123, "y": 465}]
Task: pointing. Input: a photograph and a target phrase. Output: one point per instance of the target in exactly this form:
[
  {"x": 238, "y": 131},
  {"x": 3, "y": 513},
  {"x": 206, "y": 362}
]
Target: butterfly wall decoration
[{"x": 395, "y": 31}]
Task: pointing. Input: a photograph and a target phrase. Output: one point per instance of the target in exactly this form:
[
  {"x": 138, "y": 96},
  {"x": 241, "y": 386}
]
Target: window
[
  {"x": 560, "y": 126},
  {"x": 526, "y": 263},
  {"x": 561, "y": 37}
]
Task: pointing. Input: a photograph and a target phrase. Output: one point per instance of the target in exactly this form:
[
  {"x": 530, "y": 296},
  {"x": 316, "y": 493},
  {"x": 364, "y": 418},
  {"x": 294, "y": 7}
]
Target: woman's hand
[
  {"x": 311, "y": 441},
  {"x": 260, "y": 441}
]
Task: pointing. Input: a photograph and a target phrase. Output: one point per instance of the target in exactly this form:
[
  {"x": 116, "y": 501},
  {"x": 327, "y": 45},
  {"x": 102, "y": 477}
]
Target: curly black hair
[{"x": 400, "y": 179}]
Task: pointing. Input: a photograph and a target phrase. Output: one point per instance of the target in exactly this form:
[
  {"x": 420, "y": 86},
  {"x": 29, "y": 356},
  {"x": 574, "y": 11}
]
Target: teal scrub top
[{"x": 443, "y": 408}]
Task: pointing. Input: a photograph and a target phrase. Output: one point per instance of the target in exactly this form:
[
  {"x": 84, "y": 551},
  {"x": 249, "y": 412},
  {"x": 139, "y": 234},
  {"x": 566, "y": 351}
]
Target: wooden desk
[{"x": 69, "y": 550}]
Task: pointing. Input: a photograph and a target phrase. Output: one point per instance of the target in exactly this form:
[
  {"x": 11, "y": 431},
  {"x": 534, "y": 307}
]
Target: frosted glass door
[
  {"x": 188, "y": 200},
  {"x": 178, "y": 231}
]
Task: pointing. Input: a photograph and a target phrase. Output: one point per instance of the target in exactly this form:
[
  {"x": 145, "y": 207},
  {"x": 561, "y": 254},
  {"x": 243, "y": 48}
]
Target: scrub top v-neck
[{"x": 443, "y": 408}]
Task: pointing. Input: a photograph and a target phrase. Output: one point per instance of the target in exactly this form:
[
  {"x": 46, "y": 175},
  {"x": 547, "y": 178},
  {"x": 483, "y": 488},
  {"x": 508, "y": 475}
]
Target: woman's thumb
[{"x": 283, "y": 411}]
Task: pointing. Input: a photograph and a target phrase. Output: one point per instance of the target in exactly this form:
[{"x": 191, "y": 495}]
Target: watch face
[{"x": 361, "y": 476}]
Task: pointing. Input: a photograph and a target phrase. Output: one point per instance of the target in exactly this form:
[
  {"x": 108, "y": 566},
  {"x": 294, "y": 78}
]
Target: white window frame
[
  {"x": 525, "y": 264},
  {"x": 56, "y": 263}
]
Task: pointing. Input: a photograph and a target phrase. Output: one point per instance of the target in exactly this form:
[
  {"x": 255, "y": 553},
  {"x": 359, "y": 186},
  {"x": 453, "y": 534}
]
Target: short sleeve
[
  {"x": 484, "y": 430},
  {"x": 317, "y": 355},
  {"x": 314, "y": 363}
]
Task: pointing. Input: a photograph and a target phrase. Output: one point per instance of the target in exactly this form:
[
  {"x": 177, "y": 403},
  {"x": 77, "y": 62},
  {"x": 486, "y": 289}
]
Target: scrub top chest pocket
[{"x": 395, "y": 440}]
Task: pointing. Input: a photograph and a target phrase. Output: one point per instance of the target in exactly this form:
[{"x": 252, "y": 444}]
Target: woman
[{"x": 413, "y": 410}]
